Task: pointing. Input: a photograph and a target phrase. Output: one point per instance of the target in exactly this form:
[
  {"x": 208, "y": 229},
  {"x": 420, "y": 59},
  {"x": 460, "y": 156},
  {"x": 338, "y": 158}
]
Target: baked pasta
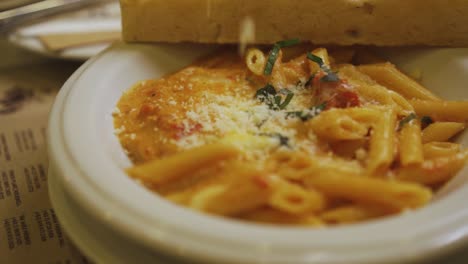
[{"x": 293, "y": 135}]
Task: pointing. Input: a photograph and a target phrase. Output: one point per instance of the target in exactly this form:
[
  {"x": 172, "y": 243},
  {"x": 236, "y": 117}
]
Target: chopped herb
[
  {"x": 309, "y": 81},
  {"x": 277, "y": 100},
  {"x": 303, "y": 115},
  {"x": 284, "y": 141},
  {"x": 407, "y": 119},
  {"x": 274, "y": 53},
  {"x": 264, "y": 92},
  {"x": 271, "y": 60},
  {"x": 426, "y": 120},
  {"x": 315, "y": 59},
  {"x": 331, "y": 76},
  {"x": 269, "y": 96},
  {"x": 308, "y": 114},
  {"x": 287, "y": 100}
]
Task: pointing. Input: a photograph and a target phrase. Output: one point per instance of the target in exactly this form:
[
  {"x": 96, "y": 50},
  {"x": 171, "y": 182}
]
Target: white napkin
[{"x": 78, "y": 35}]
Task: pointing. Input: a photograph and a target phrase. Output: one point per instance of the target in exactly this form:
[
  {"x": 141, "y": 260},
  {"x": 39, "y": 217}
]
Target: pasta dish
[{"x": 295, "y": 135}]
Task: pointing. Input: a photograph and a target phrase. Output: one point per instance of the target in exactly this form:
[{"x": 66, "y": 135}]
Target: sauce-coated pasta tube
[
  {"x": 295, "y": 199},
  {"x": 402, "y": 105},
  {"x": 297, "y": 167},
  {"x": 343, "y": 124},
  {"x": 351, "y": 149},
  {"x": 435, "y": 170},
  {"x": 382, "y": 143},
  {"x": 456, "y": 111},
  {"x": 389, "y": 76},
  {"x": 365, "y": 86},
  {"x": 441, "y": 131},
  {"x": 247, "y": 190},
  {"x": 410, "y": 143},
  {"x": 255, "y": 61},
  {"x": 278, "y": 77},
  {"x": 182, "y": 164},
  {"x": 332, "y": 125},
  {"x": 391, "y": 195},
  {"x": 330, "y": 166},
  {"x": 436, "y": 149},
  {"x": 350, "y": 214},
  {"x": 374, "y": 92}
]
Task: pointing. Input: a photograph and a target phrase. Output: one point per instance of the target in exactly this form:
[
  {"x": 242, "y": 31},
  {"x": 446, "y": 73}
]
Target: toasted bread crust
[{"x": 342, "y": 22}]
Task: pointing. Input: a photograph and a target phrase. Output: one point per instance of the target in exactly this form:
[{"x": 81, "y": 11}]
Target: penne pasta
[
  {"x": 297, "y": 167},
  {"x": 330, "y": 166},
  {"x": 245, "y": 191},
  {"x": 291, "y": 136},
  {"x": 382, "y": 143},
  {"x": 390, "y": 195},
  {"x": 351, "y": 149},
  {"x": 350, "y": 214},
  {"x": 389, "y": 76},
  {"x": 402, "y": 105},
  {"x": 255, "y": 61},
  {"x": 366, "y": 87},
  {"x": 441, "y": 131},
  {"x": 436, "y": 149},
  {"x": 170, "y": 169},
  {"x": 343, "y": 124},
  {"x": 455, "y": 111},
  {"x": 295, "y": 199},
  {"x": 335, "y": 125},
  {"x": 411, "y": 150},
  {"x": 433, "y": 171}
]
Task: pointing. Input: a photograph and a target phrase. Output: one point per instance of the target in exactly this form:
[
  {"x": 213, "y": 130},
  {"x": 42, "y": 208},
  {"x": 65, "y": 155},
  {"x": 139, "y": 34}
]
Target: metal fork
[{"x": 11, "y": 18}]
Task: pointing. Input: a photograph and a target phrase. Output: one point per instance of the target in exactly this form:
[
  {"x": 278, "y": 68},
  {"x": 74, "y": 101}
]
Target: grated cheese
[{"x": 243, "y": 121}]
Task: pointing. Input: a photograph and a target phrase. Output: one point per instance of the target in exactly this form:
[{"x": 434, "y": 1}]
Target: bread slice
[{"x": 342, "y": 22}]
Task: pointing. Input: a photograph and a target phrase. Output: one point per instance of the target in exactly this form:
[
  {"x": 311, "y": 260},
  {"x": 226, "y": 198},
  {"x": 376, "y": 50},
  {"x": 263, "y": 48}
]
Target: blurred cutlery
[{"x": 13, "y": 17}]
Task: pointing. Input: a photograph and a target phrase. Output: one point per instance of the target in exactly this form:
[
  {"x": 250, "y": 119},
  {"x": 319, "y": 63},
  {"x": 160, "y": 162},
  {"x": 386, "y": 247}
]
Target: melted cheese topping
[{"x": 206, "y": 102}]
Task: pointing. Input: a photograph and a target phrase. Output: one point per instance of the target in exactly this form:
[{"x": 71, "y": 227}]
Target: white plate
[
  {"x": 103, "y": 18},
  {"x": 87, "y": 157},
  {"x": 94, "y": 238}
]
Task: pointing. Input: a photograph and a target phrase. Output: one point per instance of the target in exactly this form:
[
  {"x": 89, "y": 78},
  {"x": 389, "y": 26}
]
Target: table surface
[{"x": 29, "y": 229}]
